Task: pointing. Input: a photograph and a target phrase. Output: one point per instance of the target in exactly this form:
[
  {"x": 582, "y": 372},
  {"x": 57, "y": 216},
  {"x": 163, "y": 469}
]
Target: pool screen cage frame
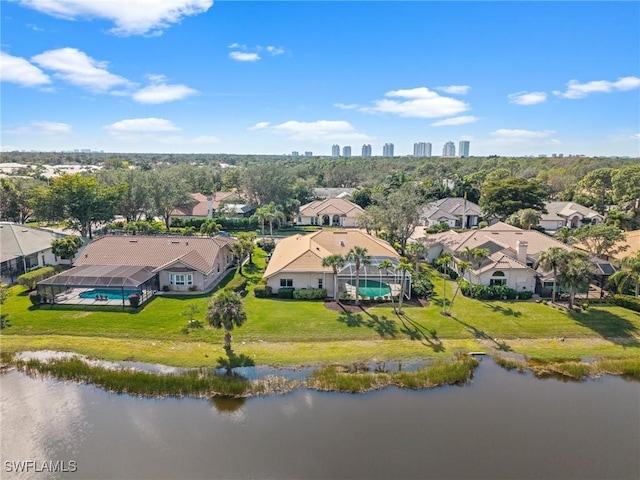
[
  {"x": 347, "y": 274},
  {"x": 117, "y": 278}
]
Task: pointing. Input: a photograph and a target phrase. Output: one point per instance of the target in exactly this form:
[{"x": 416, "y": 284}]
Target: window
[
  {"x": 180, "y": 279},
  {"x": 319, "y": 283},
  {"x": 497, "y": 281},
  {"x": 286, "y": 282}
]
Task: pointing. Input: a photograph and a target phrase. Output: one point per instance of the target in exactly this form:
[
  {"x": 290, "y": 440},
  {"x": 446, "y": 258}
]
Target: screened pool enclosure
[{"x": 374, "y": 282}]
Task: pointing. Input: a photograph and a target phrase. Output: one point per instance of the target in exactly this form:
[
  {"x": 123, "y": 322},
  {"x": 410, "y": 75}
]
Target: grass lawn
[{"x": 292, "y": 332}]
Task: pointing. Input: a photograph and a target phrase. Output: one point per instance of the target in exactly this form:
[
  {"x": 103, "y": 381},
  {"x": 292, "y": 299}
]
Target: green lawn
[{"x": 291, "y": 332}]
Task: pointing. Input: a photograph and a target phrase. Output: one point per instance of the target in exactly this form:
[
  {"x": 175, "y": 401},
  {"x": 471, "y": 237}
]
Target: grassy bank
[{"x": 293, "y": 332}]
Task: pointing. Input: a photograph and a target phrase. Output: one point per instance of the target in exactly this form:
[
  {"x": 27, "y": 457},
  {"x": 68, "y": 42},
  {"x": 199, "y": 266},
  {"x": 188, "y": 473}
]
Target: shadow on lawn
[
  {"x": 415, "y": 331},
  {"x": 510, "y": 312},
  {"x": 482, "y": 335},
  {"x": 232, "y": 360},
  {"x": 381, "y": 325},
  {"x": 608, "y": 325}
]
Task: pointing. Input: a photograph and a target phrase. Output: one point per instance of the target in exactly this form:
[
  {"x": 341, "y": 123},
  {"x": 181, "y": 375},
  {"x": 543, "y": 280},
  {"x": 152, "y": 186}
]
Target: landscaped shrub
[
  {"x": 237, "y": 284},
  {"x": 165, "y": 288},
  {"x": 422, "y": 286},
  {"x": 29, "y": 280},
  {"x": 525, "y": 295},
  {"x": 310, "y": 294},
  {"x": 627, "y": 301},
  {"x": 35, "y": 297},
  {"x": 267, "y": 244},
  {"x": 134, "y": 300},
  {"x": 496, "y": 292},
  {"x": 263, "y": 291},
  {"x": 285, "y": 292}
]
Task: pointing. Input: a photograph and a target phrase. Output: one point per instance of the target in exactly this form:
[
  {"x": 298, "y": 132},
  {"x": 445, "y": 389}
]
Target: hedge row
[
  {"x": 496, "y": 292},
  {"x": 29, "y": 280},
  {"x": 310, "y": 294},
  {"x": 237, "y": 284},
  {"x": 263, "y": 291},
  {"x": 225, "y": 223},
  {"x": 627, "y": 301}
]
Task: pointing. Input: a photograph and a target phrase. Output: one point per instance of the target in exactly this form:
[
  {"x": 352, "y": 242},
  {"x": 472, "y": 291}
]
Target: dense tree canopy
[{"x": 502, "y": 198}]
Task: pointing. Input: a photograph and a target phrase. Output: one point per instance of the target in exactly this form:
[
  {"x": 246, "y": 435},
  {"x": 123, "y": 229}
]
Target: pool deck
[{"x": 73, "y": 298}]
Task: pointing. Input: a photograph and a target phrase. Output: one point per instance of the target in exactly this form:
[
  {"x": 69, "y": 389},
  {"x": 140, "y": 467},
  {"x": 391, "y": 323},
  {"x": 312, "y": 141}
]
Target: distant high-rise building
[
  {"x": 449, "y": 150},
  {"x": 387, "y": 150},
  {"x": 308, "y": 154},
  {"x": 346, "y": 151},
  {"x": 463, "y": 148},
  {"x": 295, "y": 154},
  {"x": 335, "y": 151},
  {"x": 366, "y": 150},
  {"x": 422, "y": 149}
]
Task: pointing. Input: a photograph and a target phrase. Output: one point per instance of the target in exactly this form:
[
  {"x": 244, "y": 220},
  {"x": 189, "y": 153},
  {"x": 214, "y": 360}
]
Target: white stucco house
[
  {"x": 334, "y": 212},
  {"x": 456, "y": 212},
  {"x": 568, "y": 214}
]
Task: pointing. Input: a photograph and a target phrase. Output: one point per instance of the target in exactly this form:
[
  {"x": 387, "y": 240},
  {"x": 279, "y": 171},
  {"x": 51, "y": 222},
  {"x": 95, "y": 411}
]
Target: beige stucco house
[
  {"x": 568, "y": 214},
  {"x": 297, "y": 262},
  {"x": 335, "y": 212}
]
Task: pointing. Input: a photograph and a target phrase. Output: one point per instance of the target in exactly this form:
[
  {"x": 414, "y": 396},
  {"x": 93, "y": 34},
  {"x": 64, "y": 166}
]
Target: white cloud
[
  {"x": 142, "y": 125},
  {"x": 244, "y": 56},
  {"x": 319, "y": 131},
  {"x": 274, "y": 50},
  {"x": 131, "y": 17},
  {"x": 455, "y": 121},
  {"x": 347, "y": 106},
  {"x": 20, "y": 71},
  {"x": 506, "y": 137},
  {"x": 160, "y": 92},
  {"x": 42, "y": 128},
  {"x": 527, "y": 98},
  {"x": 420, "y": 103},
  {"x": 259, "y": 126},
  {"x": 455, "y": 89},
  {"x": 521, "y": 134},
  {"x": 575, "y": 89},
  {"x": 77, "y": 67}
]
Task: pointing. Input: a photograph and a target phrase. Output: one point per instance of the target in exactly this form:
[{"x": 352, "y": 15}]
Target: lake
[{"x": 502, "y": 425}]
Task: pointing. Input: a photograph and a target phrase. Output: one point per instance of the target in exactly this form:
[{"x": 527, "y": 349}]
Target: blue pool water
[{"x": 110, "y": 294}]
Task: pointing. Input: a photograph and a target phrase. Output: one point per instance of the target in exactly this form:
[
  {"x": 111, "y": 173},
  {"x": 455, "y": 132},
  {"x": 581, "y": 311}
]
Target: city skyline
[{"x": 191, "y": 76}]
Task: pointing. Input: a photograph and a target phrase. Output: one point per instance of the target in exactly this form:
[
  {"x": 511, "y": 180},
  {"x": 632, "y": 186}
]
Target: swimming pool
[
  {"x": 110, "y": 294},
  {"x": 373, "y": 288}
]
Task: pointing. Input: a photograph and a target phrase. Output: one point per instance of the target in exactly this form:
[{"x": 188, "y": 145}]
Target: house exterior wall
[
  {"x": 303, "y": 280},
  {"x": 552, "y": 225},
  {"x": 434, "y": 252},
  {"x": 200, "y": 281},
  {"x": 518, "y": 279},
  {"x": 344, "y": 221}
]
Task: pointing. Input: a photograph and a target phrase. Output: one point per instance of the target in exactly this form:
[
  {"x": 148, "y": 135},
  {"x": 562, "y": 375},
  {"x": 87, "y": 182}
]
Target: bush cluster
[
  {"x": 263, "y": 291},
  {"x": 29, "y": 280},
  {"x": 421, "y": 285},
  {"x": 226, "y": 223},
  {"x": 496, "y": 292},
  {"x": 310, "y": 294},
  {"x": 237, "y": 284},
  {"x": 267, "y": 244},
  {"x": 285, "y": 292},
  {"x": 627, "y": 301}
]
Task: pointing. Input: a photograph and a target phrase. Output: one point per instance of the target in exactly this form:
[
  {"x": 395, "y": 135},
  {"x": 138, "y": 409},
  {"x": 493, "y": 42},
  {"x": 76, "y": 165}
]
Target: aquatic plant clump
[{"x": 443, "y": 372}]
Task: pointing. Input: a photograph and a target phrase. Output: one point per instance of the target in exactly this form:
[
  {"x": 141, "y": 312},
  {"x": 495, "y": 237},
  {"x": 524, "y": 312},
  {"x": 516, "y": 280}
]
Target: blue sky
[{"x": 514, "y": 78}]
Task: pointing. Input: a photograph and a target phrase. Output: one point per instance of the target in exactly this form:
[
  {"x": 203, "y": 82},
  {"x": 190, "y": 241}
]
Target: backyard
[{"x": 296, "y": 332}]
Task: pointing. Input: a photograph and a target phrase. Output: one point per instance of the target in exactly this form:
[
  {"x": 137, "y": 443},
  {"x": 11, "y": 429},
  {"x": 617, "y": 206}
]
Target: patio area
[{"x": 85, "y": 296}]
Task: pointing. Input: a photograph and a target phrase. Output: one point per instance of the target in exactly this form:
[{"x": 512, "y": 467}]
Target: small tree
[
  {"x": 225, "y": 310},
  {"x": 552, "y": 259},
  {"x": 66, "y": 247},
  {"x": 386, "y": 265},
  {"x": 444, "y": 260},
  {"x": 336, "y": 262},
  {"x": 575, "y": 274},
  {"x": 405, "y": 267},
  {"x": 629, "y": 274},
  {"x": 358, "y": 255}
]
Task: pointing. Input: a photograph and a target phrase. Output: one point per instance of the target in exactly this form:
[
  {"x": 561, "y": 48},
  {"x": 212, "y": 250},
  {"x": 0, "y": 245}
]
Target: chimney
[
  {"x": 521, "y": 249},
  {"x": 209, "y": 206}
]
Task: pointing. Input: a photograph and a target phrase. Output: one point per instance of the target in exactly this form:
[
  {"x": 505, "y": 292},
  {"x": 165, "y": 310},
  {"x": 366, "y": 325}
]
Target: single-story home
[
  {"x": 206, "y": 206},
  {"x": 297, "y": 262},
  {"x": 456, "y": 212},
  {"x": 568, "y": 214},
  {"x": 25, "y": 248},
  {"x": 146, "y": 264},
  {"x": 334, "y": 212}
]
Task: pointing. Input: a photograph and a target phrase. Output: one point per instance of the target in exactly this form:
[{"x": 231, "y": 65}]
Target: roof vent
[
  {"x": 342, "y": 243},
  {"x": 175, "y": 241},
  {"x": 133, "y": 241}
]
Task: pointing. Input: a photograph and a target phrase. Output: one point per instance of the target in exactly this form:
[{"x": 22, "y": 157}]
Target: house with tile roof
[
  {"x": 25, "y": 248},
  {"x": 297, "y": 262},
  {"x": 334, "y": 212},
  {"x": 208, "y": 206},
  {"x": 568, "y": 214},
  {"x": 456, "y": 212},
  {"x": 147, "y": 264}
]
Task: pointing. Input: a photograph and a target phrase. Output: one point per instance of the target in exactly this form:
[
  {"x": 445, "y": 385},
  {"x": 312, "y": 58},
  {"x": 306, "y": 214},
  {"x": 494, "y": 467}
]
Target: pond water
[{"x": 503, "y": 425}]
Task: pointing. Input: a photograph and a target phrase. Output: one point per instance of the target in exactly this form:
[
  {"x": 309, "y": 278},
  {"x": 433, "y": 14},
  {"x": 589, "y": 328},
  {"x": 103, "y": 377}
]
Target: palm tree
[
  {"x": 405, "y": 267},
  {"x": 551, "y": 259},
  {"x": 563, "y": 234},
  {"x": 386, "y": 265},
  {"x": 529, "y": 218},
  {"x": 358, "y": 255},
  {"x": 479, "y": 254},
  {"x": 260, "y": 215},
  {"x": 462, "y": 268},
  {"x": 336, "y": 262},
  {"x": 467, "y": 253},
  {"x": 238, "y": 248},
  {"x": 416, "y": 251},
  {"x": 225, "y": 311},
  {"x": 575, "y": 274},
  {"x": 630, "y": 273},
  {"x": 273, "y": 214},
  {"x": 444, "y": 261}
]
